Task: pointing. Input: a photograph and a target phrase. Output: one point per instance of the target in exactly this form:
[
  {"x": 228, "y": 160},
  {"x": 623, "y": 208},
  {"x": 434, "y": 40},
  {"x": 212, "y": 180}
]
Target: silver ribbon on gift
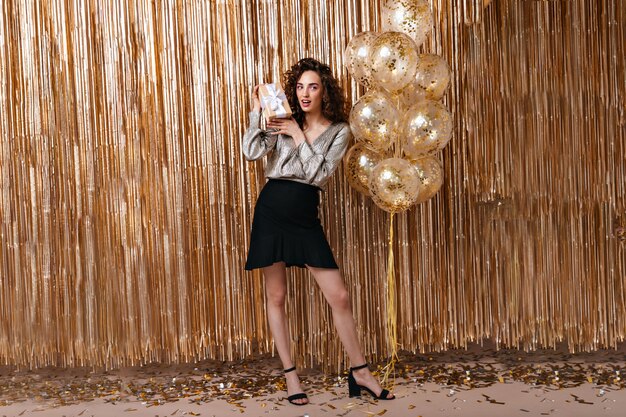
[{"x": 274, "y": 100}]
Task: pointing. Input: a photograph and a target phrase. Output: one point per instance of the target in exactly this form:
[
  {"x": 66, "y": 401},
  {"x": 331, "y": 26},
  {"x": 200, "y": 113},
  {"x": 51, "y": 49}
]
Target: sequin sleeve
[{"x": 257, "y": 142}]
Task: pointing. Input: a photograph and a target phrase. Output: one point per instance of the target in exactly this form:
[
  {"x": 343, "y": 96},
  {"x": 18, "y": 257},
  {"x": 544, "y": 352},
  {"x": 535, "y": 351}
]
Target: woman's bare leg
[
  {"x": 335, "y": 292},
  {"x": 276, "y": 290}
]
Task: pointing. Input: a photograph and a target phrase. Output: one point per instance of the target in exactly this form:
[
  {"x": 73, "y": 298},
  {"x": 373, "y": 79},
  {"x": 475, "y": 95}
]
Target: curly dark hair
[{"x": 334, "y": 103}]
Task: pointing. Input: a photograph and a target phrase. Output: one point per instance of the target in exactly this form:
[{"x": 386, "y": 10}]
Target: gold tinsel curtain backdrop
[{"x": 125, "y": 202}]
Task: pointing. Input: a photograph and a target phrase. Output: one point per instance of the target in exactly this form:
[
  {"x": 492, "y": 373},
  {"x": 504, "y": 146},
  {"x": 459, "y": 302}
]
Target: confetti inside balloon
[
  {"x": 374, "y": 120},
  {"x": 412, "y": 17},
  {"x": 431, "y": 81},
  {"x": 426, "y": 129},
  {"x": 394, "y": 60},
  {"x": 405, "y": 98},
  {"x": 394, "y": 185},
  {"x": 359, "y": 164},
  {"x": 357, "y": 57},
  {"x": 430, "y": 172}
]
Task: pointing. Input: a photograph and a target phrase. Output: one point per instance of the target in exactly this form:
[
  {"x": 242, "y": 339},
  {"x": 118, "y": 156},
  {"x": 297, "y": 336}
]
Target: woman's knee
[
  {"x": 276, "y": 297},
  {"x": 275, "y": 284},
  {"x": 340, "y": 300}
]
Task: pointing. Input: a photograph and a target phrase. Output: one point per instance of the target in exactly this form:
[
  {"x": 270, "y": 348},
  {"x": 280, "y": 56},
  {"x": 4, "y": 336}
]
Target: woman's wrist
[{"x": 299, "y": 138}]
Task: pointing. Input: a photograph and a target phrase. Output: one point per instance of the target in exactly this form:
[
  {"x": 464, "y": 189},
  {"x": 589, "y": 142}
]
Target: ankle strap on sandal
[
  {"x": 356, "y": 368},
  {"x": 293, "y": 368}
]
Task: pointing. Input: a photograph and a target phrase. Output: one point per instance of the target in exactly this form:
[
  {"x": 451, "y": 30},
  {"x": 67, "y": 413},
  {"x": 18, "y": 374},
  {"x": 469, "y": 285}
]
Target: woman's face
[{"x": 310, "y": 91}]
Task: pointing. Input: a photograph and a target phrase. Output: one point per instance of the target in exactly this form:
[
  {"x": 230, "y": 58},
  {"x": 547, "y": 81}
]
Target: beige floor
[
  {"x": 479, "y": 382},
  {"x": 515, "y": 399}
]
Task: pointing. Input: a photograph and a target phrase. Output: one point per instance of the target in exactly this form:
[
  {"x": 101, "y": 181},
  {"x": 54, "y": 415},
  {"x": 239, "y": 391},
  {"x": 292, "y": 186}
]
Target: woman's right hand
[{"x": 256, "y": 102}]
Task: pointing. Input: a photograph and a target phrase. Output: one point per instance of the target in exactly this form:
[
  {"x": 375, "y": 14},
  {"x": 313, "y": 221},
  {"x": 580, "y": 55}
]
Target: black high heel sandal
[
  {"x": 299, "y": 396},
  {"x": 355, "y": 389}
]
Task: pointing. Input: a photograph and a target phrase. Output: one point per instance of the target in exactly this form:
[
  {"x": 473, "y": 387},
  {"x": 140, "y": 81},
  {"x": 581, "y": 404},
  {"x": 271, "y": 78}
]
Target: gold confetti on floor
[{"x": 201, "y": 383}]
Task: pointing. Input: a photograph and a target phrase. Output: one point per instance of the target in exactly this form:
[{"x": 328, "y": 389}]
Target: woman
[{"x": 304, "y": 151}]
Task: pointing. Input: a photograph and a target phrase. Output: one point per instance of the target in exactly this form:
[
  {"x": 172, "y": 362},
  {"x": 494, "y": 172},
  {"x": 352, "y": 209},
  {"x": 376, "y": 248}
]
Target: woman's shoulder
[
  {"x": 343, "y": 128},
  {"x": 344, "y": 131}
]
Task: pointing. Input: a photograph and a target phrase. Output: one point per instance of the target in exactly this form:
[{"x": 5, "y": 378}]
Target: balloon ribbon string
[{"x": 391, "y": 310}]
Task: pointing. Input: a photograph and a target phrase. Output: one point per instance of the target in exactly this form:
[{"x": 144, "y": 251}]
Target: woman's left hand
[{"x": 287, "y": 127}]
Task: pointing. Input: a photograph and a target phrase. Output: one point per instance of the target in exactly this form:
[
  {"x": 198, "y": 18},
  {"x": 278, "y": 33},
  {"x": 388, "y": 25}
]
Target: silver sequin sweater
[{"x": 307, "y": 163}]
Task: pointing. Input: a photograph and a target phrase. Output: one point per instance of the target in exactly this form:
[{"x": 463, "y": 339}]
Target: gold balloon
[
  {"x": 359, "y": 164},
  {"x": 412, "y": 17},
  {"x": 393, "y": 60},
  {"x": 430, "y": 173},
  {"x": 426, "y": 129},
  {"x": 374, "y": 120},
  {"x": 403, "y": 99},
  {"x": 431, "y": 81},
  {"x": 357, "y": 57},
  {"x": 394, "y": 185}
]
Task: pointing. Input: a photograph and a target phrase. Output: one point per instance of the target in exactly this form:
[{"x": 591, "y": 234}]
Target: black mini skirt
[{"x": 286, "y": 227}]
